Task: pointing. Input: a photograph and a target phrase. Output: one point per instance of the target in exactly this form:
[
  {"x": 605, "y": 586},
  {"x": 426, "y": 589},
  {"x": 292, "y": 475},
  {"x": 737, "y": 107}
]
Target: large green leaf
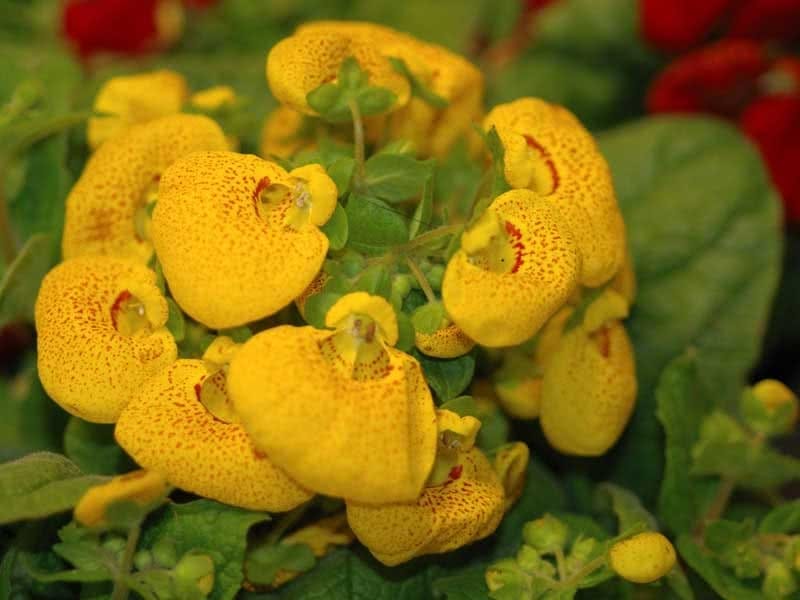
[
  {"x": 40, "y": 485},
  {"x": 20, "y": 284},
  {"x": 210, "y": 528},
  {"x": 704, "y": 230},
  {"x": 92, "y": 447}
]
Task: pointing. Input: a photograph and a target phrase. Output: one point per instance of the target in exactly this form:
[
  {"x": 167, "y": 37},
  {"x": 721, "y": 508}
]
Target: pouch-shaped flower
[
  {"x": 516, "y": 267},
  {"x": 140, "y": 487},
  {"x": 339, "y": 410},
  {"x": 238, "y": 236},
  {"x": 108, "y": 208},
  {"x": 283, "y": 134},
  {"x": 463, "y": 502},
  {"x": 304, "y": 61},
  {"x": 446, "y": 342},
  {"x": 180, "y": 424},
  {"x": 589, "y": 386},
  {"x": 132, "y": 99},
  {"x": 101, "y": 332},
  {"x": 548, "y": 151}
]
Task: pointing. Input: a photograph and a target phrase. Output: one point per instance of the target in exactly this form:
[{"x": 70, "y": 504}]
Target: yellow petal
[
  {"x": 609, "y": 306},
  {"x": 302, "y": 62},
  {"x": 133, "y": 99},
  {"x": 774, "y": 394},
  {"x": 510, "y": 463},
  {"x": 362, "y": 304},
  {"x": 234, "y": 237},
  {"x": 372, "y": 438},
  {"x": 447, "y": 342},
  {"x": 283, "y": 133},
  {"x": 321, "y": 188},
  {"x": 221, "y": 351},
  {"x": 511, "y": 281},
  {"x": 313, "y": 289},
  {"x": 462, "y": 429},
  {"x": 101, "y": 335},
  {"x": 214, "y": 98},
  {"x": 122, "y": 177},
  {"x": 547, "y": 150},
  {"x": 642, "y": 558},
  {"x": 444, "y": 518},
  {"x": 142, "y": 487},
  {"x": 589, "y": 390},
  {"x": 166, "y": 428}
]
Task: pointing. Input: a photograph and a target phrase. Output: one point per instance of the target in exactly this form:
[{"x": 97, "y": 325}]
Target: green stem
[
  {"x": 418, "y": 242},
  {"x": 584, "y": 572},
  {"x": 121, "y": 590},
  {"x": 421, "y": 279},
  {"x": 717, "y": 507},
  {"x": 286, "y": 522},
  {"x": 562, "y": 573},
  {"x": 358, "y": 141},
  {"x": 7, "y": 245}
]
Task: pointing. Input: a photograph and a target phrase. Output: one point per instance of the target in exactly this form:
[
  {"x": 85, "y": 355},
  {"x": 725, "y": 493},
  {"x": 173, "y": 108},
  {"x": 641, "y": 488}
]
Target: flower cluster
[{"x": 167, "y": 231}]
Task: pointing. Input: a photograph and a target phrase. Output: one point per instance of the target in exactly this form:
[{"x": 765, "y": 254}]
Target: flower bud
[
  {"x": 778, "y": 581},
  {"x": 769, "y": 407},
  {"x": 642, "y": 558},
  {"x": 195, "y": 572},
  {"x": 506, "y": 580},
  {"x": 547, "y": 534}
]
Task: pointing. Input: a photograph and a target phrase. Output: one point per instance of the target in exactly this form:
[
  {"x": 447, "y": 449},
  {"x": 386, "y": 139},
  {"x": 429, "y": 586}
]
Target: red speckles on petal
[
  {"x": 117, "y": 306},
  {"x": 516, "y": 244},
  {"x": 547, "y": 158}
]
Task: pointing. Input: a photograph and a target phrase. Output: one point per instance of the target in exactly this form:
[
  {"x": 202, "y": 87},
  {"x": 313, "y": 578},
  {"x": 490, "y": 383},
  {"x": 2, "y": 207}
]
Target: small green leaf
[
  {"x": 448, "y": 377},
  {"x": 341, "y": 171},
  {"x": 417, "y": 88},
  {"x": 405, "y": 337},
  {"x": 20, "y": 284},
  {"x": 351, "y": 77},
  {"x": 317, "y": 306},
  {"x": 782, "y": 519},
  {"x": 336, "y": 228},
  {"x": 375, "y": 100},
  {"x": 374, "y": 226},
  {"x": 263, "y": 562},
  {"x": 374, "y": 280},
  {"x": 238, "y": 334},
  {"x": 329, "y": 100},
  {"x": 39, "y": 485},
  {"x": 424, "y": 211},
  {"x": 396, "y": 177},
  {"x": 495, "y": 145},
  {"x": 92, "y": 447},
  {"x": 175, "y": 321},
  {"x": 428, "y": 318},
  {"x": 626, "y": 506}
]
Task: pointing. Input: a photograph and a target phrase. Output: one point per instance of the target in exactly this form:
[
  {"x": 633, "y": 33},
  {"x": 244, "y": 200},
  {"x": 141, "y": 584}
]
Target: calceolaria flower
[
  {"x": 283, "y": 133},
  {"x": 140, "y": 487},
  {"x": 182, "y": 425},
  {"x": 548, "y": 151},
  {"x": 132, "y": 99},
  {"x": 589, "y": 386},
  {"x": 101, "y": 334},
  {"x": 446, "y": 342},
  {"x": 642, "y": 558},
  {"x": 108, "y": 208},
  {"x": 518, "y": 264},
  {"x": 340, "y": 410},
  {"x": 238, "y": 237},
  {"x": 463, "y": 502}
]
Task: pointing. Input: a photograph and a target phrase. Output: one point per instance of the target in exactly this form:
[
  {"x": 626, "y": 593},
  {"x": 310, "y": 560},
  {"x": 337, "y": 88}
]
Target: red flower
[
  {"x": 773, "y": 122},
  {"x": 766, "y": 20},
  {"x": 677, "y": 25},
  {"x": 720, "y": 79}
]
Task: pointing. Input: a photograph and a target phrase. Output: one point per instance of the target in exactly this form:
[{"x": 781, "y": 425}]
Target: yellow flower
[
  {"x": 302, "y": 62},
  {"x": 101, "y": 334},
  {"x": 237, "y": 236},
  {"x": 314, "y": 288},
  {"x": 213, "y": 98},
  {"x": 518, "y": 382},
  {"x": 464, "y": 505},
  {"x": 446, "y": 342},
  {"x": 341, "y": 411},
  {"x": 181, "y": 425},
  {"x": 141, "y": 487},
  {"x": 589, "y": 386},
  {"x": 133, "y": 99},
  {"x": 107, "y": 209},
  {"x": 283, "y": 133},
  {"x": 773, "y": 394},
  {"x": 516, "y": 267},
  {"x": 548, "y": 151},
  {"x": 642, "y": 558}
]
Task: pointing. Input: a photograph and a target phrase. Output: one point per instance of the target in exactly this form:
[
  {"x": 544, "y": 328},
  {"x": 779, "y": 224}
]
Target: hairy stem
[
  {"x": 121, "y": 589},
  {"x": 717, "y": 507},
  {"x": 421, "y": 279},
  {"x": 562, "y": 572},
  {"x": 358, "y": 141}
]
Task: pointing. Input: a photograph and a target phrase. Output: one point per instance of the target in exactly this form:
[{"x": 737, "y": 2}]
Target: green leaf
[
  {"x": 341, "y": 171},
  {"x": 448, "y": 377},
  {"x": 211, "y": 528},
  {"x": 499, "y": 183},
  {"x": 351, "y": 76},
  {"x": 336, "y": 228},
  {"x": 91, "y": 446},
  {"x": 375, "y": 100},
  {"x": 318, "y": 305},
  {"x": 395, "y": 177},
  {"x": 39, "y": 485},
  {"x": 375, "y": 226},
  {"x": 6, "y": 571},
  {"x": 374, "y": 280},
  {"x": 330, "y": 101},
  {"x": 424, "y": 211},
  {"x": 721, "y": 580},
  {"x": 428, "y": 318},
  {"x": 406, "y": 335},
  {"x": 20, "y": 285},
  {"x": 417, "y": 87},
  {"x": 782, "y": 519},
  {"x": 703, "y": 283},
  {"x": 176, "y": 324},
  {"x": 469, "y": 584},
  {"x": 679, "y": 584},
  {"x": 264, "y": 562},
  {"x": 680, "y": 408},
  {"x": 626, "y": 506}
]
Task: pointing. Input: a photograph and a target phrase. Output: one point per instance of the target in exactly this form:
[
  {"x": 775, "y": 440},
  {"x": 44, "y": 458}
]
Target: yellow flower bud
[
  {"x": 446, "y": 342},
  {"x": 516, "y": 267},
  {"x": 101, "y": 334},
  {"x": 466, "y": 508},
  {"x": 237, "y": 236},
  {"x": 642, "y": 558},
  {"x": 510, "y": 464},
  {"x": 179, "y": 425},
  {"x": 589, "y": 390},
  {"x": 142, "y": 487},
  {"x": 548, "y": 151},
  {"x": 774, "y": 394},
  {"x": 107, "y": 209},
  {"x": 132, "y": 99},
  {"x": 302, "y": 62},
  {"x": 341, "y": 411}
]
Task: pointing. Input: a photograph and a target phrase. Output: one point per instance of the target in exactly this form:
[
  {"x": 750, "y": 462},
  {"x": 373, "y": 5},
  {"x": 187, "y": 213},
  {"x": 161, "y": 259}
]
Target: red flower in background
[{"x": 742, "y": 77}]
